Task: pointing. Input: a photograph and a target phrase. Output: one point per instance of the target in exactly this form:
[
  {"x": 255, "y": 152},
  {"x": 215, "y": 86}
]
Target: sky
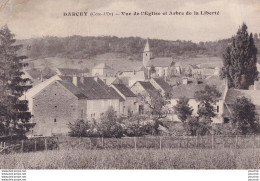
[{"x": 38, "y": 18}]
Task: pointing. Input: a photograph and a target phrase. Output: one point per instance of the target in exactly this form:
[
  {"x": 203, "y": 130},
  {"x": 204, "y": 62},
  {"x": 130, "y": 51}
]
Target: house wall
[
  {"x": 53, "y": 102},
  {"x": 161, "y": 71},
  {"x": 97, "y": 72},
  {"x": 128, "y": 105},
  {"x": 96, "y": 107},
  {"x": 194, "y": 104}
]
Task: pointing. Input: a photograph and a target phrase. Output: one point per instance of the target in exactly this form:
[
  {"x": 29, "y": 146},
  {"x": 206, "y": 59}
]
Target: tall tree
[
  {"x": 182, "y": 109},
  {"x": 239, "y": 60},
  {"x": 207, "y": 98},
  {"x": 157, "y": 107},
  {"x": 14, "y": 113},
  {"x": 244, "y": 116}
]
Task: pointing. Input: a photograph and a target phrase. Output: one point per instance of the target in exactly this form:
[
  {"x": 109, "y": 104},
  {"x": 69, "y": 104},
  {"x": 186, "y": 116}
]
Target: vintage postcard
[{"x": 127, "y": 84}]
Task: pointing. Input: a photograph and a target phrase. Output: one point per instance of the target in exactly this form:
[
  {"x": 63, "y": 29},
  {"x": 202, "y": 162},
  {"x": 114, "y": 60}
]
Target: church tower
[{"x": 147, "y": 55}]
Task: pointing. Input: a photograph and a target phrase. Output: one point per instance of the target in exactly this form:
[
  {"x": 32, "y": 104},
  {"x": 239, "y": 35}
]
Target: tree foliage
[
  {"x": 182, "y": 109},
  {"x": 207, "y": 98},
  {"x": 244, "y": 116},
  {"x": 14, "y": 115},
  {"x": 157, "y": 107},
  {"x": 239, "y": 60}
]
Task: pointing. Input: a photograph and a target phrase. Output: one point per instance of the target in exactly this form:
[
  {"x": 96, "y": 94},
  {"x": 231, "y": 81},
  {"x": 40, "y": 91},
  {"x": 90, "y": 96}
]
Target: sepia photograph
[{"x": 127, "y": 84}]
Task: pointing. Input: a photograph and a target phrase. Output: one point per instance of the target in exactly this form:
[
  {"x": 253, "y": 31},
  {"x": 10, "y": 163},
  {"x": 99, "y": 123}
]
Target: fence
[
  {"x": 156, "y": 142},
  {"x": 150, "y": 142},
  {"x": 28, "y": 145}
]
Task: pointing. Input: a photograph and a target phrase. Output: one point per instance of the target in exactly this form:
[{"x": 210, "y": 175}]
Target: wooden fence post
[
  {"x": 135, "y": 142},
  {"x": 212, "y": 141},
  {"x": 58, "y": 143},
  {"x": 236, "y": 141},
  {"x": 90, "y": 143},
  {"x": 160, "y": 142},
  {"x": 45, "y": 143},
  {"x": 35, "y": 145},
  {"x": 22, "y": 146},
  {"x": 254, "y": 141},
  {"x": 196, "y": 144}
]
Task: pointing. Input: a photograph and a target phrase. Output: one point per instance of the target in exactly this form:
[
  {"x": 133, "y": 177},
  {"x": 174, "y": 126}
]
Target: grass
[{"x": 130, "y": 159}]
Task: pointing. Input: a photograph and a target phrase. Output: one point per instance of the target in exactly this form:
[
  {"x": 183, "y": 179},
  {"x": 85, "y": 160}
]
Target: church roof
[
  {"x": 161, "y": 62},
  {"x": 147, "y": 47}
]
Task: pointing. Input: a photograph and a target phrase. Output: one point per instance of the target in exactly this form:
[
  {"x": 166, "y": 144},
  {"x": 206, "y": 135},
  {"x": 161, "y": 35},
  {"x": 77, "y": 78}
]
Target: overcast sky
[{"x": 37, "y": 18}]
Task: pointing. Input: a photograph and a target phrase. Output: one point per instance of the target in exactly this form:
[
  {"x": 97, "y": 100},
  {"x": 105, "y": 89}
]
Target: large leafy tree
[
  {"x": 157, "y": 107},
  {"x": 14, "y": 113},
  {"x": 182, "y": 109},
  {"x": 207, "y": 98},
  {"x": 239, "y": 60},
  {"x": 244, "y": 116}
]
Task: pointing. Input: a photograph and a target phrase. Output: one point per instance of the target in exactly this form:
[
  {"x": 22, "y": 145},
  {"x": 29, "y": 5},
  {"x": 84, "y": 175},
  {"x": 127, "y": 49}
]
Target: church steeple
[{"x": 147, "y": 55}]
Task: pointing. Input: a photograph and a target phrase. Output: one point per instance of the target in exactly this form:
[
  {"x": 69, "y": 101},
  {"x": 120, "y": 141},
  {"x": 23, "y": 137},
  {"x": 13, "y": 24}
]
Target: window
[
  {"x": 226, "y": 120},
  {"x": 141, "y": 109},
  {"x": 55, "y": 120},
  {"x": 217, "y": 108},
  {"x": 55, "y": 106},
  {"x": 82, "y": 113}
]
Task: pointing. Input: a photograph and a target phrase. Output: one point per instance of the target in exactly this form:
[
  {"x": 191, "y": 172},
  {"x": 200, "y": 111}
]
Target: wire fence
[
  {"x": 148, "y": 142},
  {"x": 162, "y": 142}
]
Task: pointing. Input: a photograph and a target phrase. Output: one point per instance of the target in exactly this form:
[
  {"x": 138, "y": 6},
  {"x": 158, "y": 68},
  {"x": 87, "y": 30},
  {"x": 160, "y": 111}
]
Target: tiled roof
[
  {"x": 161, "y": 62},
  {"x": 90, "y": 88},
  {"x": 124, "y": 90},
  {"x": 187, "y": 90},
  {"x": 208, "y": 71},
  {"x": 36, "y": 73},
  {"x": 102, "y": 66},
  {"x": 70, "y": 72},
  {"x": 73, "y": 89},
  {"x": 164, "y": 85},
  {"x": 148, "y": 87},
  {"x": 233, "y": 94}
]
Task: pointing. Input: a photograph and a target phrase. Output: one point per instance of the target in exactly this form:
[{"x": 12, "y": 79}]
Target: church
[{"x": 158, "y": 66}]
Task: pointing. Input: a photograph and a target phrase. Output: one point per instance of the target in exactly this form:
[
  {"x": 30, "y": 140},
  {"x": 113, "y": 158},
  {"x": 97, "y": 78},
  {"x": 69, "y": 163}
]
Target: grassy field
[{"x": 130, "y": 159}]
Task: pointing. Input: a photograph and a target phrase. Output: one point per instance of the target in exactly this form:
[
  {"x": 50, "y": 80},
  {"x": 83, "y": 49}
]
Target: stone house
[
  {"x": 128, "y": 101},
  {"x": 60, "y": 100},
  {"x": 233, "y": 94},
  {"x": 143, "y": 88},
  {"x": 131, "y": 76},
  {"x": 188, "y": 89},
  {"x": 103, "y": 69}
]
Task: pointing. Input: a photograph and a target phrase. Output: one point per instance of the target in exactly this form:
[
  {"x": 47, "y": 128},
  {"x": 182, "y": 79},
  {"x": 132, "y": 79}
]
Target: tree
[
  {"x": 244, "y": 116},
  {"x": 14, "y": 115},
  {"x": 239, "y": 60},
  {"x": 207, "y": 98},
  {"x": 158, "y": 107},
  {"x": 182, "y": 109},
  {"x": 109, "y": 125}
]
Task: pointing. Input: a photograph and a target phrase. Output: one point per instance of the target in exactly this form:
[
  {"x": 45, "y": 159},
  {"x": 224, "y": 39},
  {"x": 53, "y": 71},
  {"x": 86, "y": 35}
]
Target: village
[{"x": 59, "y": 98}]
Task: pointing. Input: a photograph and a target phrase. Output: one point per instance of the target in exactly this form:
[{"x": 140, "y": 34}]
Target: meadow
[{"x": 131, "y": 159}]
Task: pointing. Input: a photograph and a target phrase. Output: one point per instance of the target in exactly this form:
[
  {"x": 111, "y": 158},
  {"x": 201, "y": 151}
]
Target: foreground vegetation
[{"x": 130, "y": 159}]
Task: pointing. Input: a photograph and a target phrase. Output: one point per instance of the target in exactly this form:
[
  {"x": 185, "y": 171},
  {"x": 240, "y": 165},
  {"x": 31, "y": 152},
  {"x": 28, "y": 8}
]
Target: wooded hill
[{"x": 79, "y": 47}]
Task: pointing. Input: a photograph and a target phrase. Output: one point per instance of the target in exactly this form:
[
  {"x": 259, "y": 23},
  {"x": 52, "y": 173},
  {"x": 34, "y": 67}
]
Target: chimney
[
  {"x": 41, "y": 77},
  {"x": 185, "y": 81},
  {"x": 75, "y": 80},
  {"x": 96, "y": 78}
]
